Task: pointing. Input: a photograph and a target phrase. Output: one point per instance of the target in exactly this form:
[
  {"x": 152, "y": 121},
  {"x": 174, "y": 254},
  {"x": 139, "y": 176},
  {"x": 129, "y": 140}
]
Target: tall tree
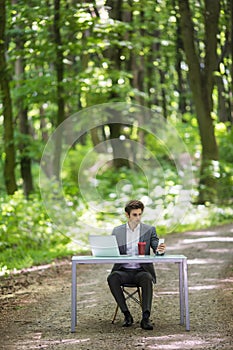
[
  {"x": 179, "y": 59},
  {"x": 120, "y": 157},
  {"x": 22, "y": 110},
  {"x": 223, "y": 76},
  {"x": 201, "y": 75},
  {"x": 60, "y": 89},
  {"x": 9, "y": 147}
]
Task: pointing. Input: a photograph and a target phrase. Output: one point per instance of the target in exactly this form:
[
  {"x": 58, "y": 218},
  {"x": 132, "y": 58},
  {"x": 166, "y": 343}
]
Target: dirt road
[{"x": 35, "y": 306}]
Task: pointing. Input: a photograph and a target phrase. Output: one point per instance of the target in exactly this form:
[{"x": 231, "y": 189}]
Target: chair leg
[
  {"x": 139, "y": 296},
  {"x": 129, "y": 295},
  {"x": 114, "y": 317}
]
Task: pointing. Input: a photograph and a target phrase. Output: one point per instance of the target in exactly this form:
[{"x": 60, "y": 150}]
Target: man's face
[{"x": 134, "y": 217}]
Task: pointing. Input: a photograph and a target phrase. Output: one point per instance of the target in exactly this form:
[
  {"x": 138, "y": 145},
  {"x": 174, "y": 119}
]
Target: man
[{"x": 143, "y": 275}]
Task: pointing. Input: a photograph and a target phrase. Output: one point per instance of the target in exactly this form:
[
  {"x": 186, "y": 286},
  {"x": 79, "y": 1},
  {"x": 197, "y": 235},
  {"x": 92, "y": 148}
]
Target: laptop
[{"x": 104, "y": 246}]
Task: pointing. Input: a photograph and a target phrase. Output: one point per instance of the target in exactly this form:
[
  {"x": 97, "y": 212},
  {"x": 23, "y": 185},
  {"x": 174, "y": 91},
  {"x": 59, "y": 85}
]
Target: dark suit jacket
[{"x": 147, "y": 234}]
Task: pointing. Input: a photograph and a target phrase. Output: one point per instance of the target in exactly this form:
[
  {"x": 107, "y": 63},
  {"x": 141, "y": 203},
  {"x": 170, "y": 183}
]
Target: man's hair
[{"x": 133, "y": 204}]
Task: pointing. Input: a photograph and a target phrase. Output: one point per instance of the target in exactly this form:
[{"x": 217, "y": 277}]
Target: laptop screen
[{"x": 104, "y": 245}]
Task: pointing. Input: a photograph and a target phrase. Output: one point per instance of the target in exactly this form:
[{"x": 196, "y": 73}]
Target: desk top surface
[{"x": 124, "y": 258}]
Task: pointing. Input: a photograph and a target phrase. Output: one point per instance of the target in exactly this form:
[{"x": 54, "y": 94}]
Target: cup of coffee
[{"x": 141, "y": 248}]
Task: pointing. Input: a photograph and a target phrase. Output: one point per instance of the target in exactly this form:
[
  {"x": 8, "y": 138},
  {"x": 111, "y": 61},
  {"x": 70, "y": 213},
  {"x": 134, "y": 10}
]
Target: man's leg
[
  {"x": 144, "y": 280},
  {"x": 115, "y": 280}
]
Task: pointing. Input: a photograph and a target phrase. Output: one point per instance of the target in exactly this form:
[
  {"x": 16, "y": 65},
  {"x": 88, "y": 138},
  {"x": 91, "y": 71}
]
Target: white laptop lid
[{"x": 104, "y": 245}]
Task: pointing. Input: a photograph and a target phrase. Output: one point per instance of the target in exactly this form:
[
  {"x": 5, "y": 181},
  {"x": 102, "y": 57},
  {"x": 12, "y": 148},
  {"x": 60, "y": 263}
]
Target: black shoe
[
  {"x": 128, "y": 321},
  {"x": 146, "y": 324}
]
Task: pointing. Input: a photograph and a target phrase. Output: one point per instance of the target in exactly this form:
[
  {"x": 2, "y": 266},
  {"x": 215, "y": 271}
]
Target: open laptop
[{"x": 104, "y": 246}]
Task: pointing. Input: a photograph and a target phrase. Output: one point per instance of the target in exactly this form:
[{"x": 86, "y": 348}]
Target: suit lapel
[
  {"x": 143, "y": 230},
  {"x": 123, "y": 239}
]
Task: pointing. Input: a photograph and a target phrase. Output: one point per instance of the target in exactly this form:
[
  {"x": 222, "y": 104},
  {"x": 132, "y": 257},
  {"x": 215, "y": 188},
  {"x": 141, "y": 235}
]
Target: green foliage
[
  {"x": 27, "y": 235},
  {"x": 72, "y": 164},
  {"x": 111, "y": 184}
]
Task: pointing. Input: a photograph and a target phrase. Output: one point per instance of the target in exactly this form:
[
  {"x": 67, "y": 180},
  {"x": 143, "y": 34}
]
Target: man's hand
[{"x": 161, "y": 248}]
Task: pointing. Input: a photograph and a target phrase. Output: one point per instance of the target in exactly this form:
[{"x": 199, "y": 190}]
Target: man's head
[
  {"x": 133, "y": 211},
  {"x": 133, "y": 204}
]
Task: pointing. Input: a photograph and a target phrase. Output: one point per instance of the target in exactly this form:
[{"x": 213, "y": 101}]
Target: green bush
[{"x": 27, "y": 235}]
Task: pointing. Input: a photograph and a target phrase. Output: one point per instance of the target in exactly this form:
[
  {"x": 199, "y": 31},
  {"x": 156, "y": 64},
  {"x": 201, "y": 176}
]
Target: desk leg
[
  {"x": 185, "y": 273},
  {"x": 74, "y": 298},
  {"x": 181, "y": 289}
]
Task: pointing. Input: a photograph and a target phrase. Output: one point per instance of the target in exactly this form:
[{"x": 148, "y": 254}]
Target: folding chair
[{"x": 130, "y": 295}]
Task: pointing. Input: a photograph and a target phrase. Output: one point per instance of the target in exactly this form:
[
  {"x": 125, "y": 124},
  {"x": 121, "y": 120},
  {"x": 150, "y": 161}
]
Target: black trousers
[{"x": 135, "y": 276}]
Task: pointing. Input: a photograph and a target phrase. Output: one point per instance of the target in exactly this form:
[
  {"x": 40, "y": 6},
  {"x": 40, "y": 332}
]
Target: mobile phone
[{"x": 161, "y": 241}]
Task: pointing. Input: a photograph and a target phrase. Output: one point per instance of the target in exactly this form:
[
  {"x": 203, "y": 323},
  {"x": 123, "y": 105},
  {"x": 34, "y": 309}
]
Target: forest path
[{"x": 35, "y": 306}]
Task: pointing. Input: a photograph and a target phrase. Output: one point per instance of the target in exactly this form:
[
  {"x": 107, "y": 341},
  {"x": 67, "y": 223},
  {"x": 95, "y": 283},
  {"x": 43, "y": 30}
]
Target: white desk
[{"x": 181, "y": 260}]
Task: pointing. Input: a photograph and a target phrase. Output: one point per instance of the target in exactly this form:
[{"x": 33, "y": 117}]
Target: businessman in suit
[{"x": 128, "y": 235}]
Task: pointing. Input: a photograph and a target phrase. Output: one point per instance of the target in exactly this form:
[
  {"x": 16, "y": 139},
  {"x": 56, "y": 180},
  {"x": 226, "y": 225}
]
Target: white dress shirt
[{"x": 132, "y": 239}]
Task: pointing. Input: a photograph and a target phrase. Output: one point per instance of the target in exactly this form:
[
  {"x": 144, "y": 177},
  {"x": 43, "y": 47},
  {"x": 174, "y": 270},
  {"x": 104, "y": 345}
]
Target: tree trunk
[
  {"x": 9, "y": 147},
  {"x": 120, "y": 154},
  {"x": 201, "y": 83},
  {"x": 224, "y": 107},
  {"x": 97, "y": 137},
  {"x": 60, "y": 90},
  {"x": 25, "y": 160},
  {"x": 120, "y": 157},
  {"x": 223, "y": 78},
  {"x": 179, "y": 58},
  {"x": 138, "y": 67},
  {"x": 44, "y": 132},
  {"x": 231, "y": 53}
]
